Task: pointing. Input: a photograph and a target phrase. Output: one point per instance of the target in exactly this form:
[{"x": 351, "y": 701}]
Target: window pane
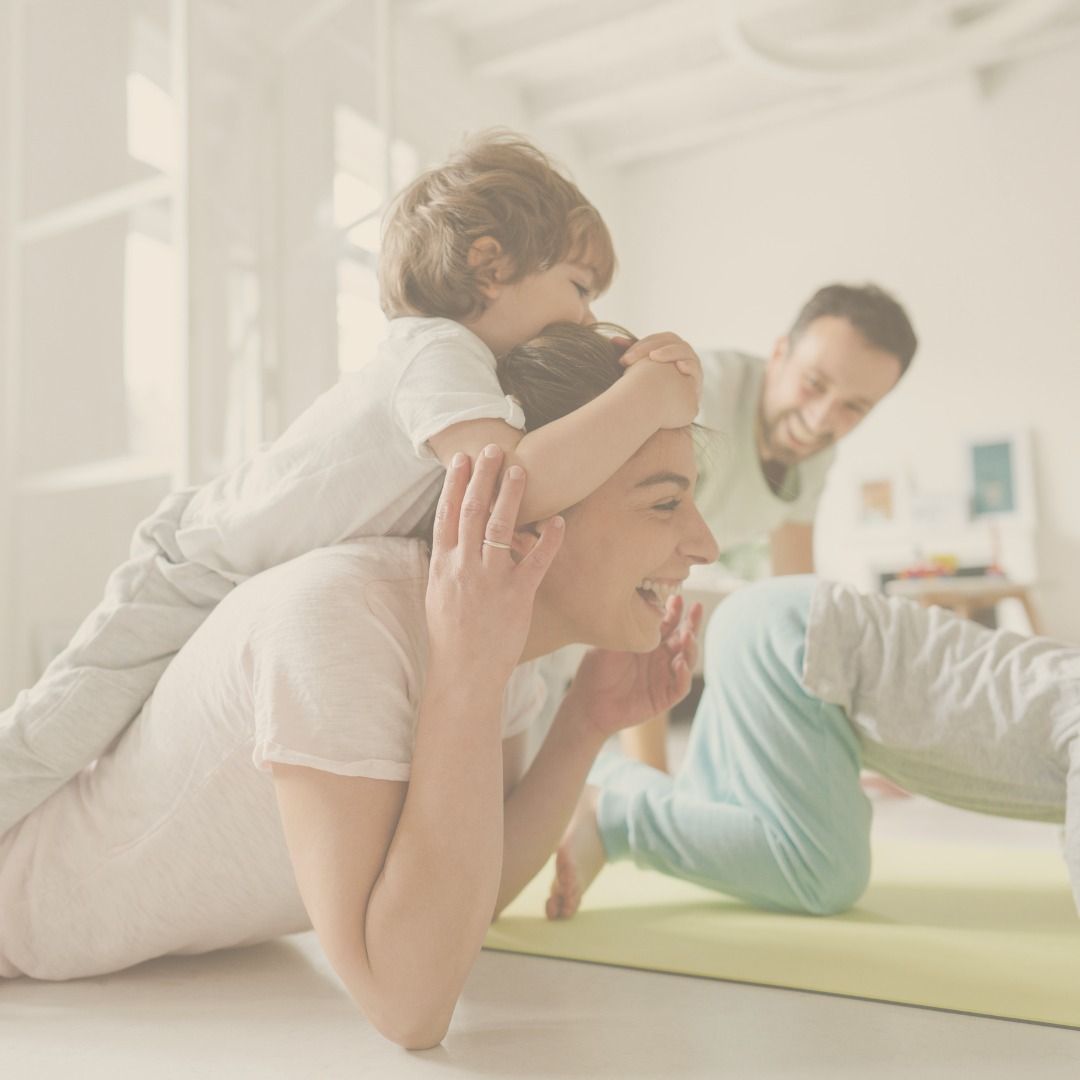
[
  {"x": 101, "y": 363},
  {"x": 96, "y": 99},
  {"x": 361, "y": 323},
  {"x": 360, "y": 175}
]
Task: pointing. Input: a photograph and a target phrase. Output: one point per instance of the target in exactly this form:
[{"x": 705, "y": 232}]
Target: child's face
[{"x": 518, "y": 311}]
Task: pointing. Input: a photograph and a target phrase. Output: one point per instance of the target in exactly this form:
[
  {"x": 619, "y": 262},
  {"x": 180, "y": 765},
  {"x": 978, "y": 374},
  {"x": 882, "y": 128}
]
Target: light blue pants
[{"x": 766, "y": 806}]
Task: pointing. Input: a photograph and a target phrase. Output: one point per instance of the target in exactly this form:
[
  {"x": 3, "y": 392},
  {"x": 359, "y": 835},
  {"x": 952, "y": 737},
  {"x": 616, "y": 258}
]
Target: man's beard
[{"x": 784, "y": 454}]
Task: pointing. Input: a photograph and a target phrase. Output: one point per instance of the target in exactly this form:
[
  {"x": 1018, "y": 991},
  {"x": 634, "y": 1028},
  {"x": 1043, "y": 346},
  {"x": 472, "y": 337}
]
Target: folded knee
[{"x": 835, "y": 884}]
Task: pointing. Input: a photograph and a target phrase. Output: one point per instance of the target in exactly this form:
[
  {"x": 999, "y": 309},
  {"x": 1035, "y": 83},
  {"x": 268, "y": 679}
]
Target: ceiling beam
[
  {"x": 809, "y": 105},
  {"x": 682, "y": 139},
  {"x": 666, "y": 84},
  {"x": 584, "y": 30}
]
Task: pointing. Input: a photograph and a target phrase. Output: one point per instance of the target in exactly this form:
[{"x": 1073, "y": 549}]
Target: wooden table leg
[{"x": 1030, "y": 612}]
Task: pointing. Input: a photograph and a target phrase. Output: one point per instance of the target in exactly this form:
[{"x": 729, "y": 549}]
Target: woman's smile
[{"x": 656, "y": 592}]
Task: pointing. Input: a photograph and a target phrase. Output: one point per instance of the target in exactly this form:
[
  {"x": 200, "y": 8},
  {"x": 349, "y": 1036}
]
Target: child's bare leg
[{"x": 579, "y": 859}]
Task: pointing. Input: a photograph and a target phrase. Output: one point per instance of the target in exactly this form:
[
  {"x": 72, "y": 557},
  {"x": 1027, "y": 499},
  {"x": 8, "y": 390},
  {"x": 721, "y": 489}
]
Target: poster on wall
[
  {"x": 1001, "y": 482},
  {"x": 876, "y": 501},
  {"x": 881, "y": 503}
]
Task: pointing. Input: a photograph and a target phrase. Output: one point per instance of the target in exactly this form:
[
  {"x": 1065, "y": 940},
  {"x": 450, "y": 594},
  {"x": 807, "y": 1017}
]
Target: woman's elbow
[
  {"x": 412, "y": 1028},
  {"x": 404, "y": 1014}
]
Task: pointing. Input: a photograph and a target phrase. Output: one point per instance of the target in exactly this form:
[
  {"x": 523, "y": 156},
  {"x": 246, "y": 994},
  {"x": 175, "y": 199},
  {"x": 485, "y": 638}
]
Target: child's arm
[{"x": 571, "y": 457}]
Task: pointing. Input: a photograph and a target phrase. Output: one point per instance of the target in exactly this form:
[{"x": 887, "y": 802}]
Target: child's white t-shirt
[
  {"x": 356, "y": 463},
  {"x": 172, "y": 841}
]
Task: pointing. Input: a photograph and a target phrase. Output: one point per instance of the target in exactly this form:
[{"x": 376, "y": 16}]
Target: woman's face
[{"x": 628, "y": 546}]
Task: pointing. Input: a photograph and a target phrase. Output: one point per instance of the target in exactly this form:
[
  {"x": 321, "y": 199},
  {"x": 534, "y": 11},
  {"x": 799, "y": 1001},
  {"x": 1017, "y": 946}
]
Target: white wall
[
  {"x": 964, "y": 201},
  {"x": 6, "y": 579},
  {"x": 438, "y": 102}
]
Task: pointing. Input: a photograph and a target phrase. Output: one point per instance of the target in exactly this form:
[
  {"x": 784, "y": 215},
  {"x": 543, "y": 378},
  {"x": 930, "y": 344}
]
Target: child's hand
[
  {"x": 665, "y": 348},
  {"x": 673, "y": 397},
  {"x": 670, "y": 349}
]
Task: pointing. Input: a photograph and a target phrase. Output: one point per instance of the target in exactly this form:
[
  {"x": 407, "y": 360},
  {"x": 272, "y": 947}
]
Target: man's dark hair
[{"x": 871, "y": 310}]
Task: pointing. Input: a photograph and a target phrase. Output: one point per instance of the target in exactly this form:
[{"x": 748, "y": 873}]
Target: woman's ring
[{"x": 496, "y": 544}]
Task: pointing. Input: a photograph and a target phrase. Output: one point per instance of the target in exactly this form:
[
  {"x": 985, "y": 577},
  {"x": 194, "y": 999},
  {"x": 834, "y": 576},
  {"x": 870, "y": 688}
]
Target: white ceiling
[{"x": 632, "y": 79}]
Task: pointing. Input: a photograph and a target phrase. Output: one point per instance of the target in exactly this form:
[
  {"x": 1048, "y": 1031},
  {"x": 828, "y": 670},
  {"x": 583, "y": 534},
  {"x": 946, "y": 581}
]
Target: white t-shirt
[
  {"x": 732, "y": 493},
  {"x": 356, "y": 463},
  {"x": 172, "y": 842}
]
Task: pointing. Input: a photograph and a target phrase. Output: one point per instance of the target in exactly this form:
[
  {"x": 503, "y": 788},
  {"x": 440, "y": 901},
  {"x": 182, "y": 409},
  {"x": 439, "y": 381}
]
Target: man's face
[{"x": 820, "y": 387}]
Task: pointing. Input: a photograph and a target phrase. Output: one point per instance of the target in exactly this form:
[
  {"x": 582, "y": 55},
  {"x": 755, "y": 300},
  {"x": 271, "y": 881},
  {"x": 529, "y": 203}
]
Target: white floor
[{"x": 278, "y": 1011}]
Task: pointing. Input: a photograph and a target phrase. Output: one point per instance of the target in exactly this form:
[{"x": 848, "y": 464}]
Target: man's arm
[
  {"x": 792, "y": 549},
  {"x": 647, "y": 742}
]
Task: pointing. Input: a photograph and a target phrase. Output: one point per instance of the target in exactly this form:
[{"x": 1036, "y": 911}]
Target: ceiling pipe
[{"x": 940, "y": 45}]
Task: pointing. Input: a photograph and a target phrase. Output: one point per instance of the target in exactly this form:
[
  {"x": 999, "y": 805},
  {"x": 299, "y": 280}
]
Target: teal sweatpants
[{"x": 766, "y": 805}]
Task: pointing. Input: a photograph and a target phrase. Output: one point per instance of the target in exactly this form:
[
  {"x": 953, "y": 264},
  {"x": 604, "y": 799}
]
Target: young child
[
  {"x": 805, "y": 681},
  {"x": 478, "y": 256}
]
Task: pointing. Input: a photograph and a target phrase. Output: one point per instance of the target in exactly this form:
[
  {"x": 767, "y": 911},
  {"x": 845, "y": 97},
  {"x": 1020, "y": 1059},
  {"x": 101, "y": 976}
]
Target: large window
[{"x": 361, "y": 175}]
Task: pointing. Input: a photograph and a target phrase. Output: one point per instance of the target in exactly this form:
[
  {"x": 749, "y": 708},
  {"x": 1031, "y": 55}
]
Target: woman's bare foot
[{"x": 579, "y": 859}]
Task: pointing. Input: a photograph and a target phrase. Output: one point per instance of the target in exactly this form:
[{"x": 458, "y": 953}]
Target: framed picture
[
  {"x": 881, "y": 501},
  {"x": 877, "y": 501},
  {"x": 1001, "y": 481}
]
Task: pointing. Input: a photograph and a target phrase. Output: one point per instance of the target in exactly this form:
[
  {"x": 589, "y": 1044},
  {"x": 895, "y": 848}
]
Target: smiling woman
[
  {"x": 385, "y": 697},
  {"x": 632, "y": 543}
]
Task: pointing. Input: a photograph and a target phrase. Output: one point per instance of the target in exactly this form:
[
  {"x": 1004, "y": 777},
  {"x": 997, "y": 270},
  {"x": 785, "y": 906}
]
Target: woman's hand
[
  {"x": 619, "y": 689},
  {"x": 479, "y": 598}
]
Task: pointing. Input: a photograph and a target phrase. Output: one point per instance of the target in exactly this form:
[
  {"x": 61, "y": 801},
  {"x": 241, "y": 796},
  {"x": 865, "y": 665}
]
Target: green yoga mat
[{"x": 977, "y": 930}]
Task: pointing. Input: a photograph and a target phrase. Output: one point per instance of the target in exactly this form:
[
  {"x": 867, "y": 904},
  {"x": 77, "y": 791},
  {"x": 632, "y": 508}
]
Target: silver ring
[{"x": 496, "y": 544}]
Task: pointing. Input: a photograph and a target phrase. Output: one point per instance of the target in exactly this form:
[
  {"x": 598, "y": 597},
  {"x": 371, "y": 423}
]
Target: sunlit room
[{"x": 539, "y": 538}]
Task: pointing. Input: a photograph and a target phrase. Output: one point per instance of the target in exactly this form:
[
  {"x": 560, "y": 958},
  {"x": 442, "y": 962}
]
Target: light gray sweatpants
[{"x": 89, "y": 693}]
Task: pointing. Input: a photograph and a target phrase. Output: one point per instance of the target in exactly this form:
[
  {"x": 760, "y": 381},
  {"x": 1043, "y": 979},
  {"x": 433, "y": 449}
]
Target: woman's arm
[
  {"x": 400, "y": 881},
  {"x": 611, "y": 691},
  {"x": 539, "y": 807}
]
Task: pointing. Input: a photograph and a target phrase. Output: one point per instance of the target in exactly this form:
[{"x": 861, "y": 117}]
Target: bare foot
[
  {"x": 880, "y": 787},
  {"x": 579, "y": 859}
]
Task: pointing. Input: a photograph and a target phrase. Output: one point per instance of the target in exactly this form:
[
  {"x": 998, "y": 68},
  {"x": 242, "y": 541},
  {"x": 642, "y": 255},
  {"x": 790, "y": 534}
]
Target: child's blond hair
[{"x": 497, "y": 185}]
